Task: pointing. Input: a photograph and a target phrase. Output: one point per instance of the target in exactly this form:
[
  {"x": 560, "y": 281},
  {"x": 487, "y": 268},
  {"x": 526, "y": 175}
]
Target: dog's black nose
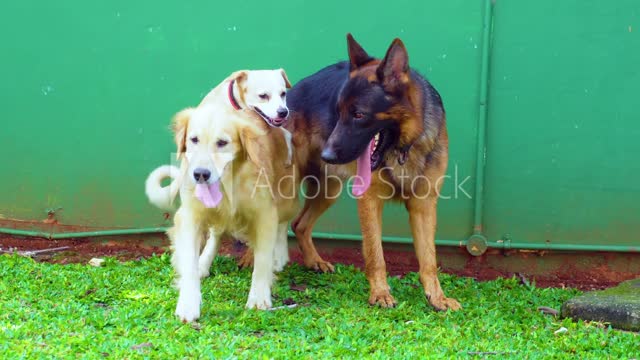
[
  {"x": 201, "y": 174},
  {"x": 283, "y": 112},
  {"x": 329, "y": 155}
]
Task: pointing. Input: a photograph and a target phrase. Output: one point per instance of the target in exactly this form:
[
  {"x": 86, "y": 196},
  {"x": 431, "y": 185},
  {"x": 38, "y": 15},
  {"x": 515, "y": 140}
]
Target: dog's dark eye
[
  {"x": 283, "y": 94},
  {"x": 358, "y": 115},
  {"x": 264, "y": 96},
  {"x": 195, "y": 140},
  {"x": 221, "y": 143}
]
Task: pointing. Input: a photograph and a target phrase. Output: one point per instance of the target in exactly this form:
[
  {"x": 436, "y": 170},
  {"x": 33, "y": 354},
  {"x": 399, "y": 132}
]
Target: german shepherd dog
[{"x": 385, "y": 123}]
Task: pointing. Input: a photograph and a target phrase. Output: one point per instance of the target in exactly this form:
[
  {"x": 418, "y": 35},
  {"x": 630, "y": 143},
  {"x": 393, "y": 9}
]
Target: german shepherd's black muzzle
[{"x": 348, "y": 141}]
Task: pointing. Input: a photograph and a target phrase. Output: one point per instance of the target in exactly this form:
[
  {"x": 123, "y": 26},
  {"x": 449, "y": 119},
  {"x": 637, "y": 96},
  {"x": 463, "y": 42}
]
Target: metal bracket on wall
[{"x": 477, "y": 244}]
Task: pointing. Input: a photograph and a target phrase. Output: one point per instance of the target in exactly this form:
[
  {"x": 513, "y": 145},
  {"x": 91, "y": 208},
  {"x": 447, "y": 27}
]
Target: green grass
[{"x": 125, "y": 310}]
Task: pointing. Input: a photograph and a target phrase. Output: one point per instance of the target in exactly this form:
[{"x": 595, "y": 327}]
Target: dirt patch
[
  {"x": 69, "y": 251},
  {"x": 78, "y": 250},
  {"x": 602, "y": 270},
  {"x": 559, "y": 270}
]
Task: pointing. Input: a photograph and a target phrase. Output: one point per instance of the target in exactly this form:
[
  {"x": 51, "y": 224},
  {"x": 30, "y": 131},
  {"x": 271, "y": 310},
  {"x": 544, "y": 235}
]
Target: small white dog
[{"x": 262, "y": 91}]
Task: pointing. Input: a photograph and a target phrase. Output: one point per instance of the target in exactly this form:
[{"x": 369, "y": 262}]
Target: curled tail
[{"x": 158, "y": 195}]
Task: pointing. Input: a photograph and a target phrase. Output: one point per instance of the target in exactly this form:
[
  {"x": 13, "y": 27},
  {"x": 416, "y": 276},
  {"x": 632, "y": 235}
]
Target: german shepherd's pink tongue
[
  {"x": 209, "y": 194},
  {"x": 362, "y": 182}
]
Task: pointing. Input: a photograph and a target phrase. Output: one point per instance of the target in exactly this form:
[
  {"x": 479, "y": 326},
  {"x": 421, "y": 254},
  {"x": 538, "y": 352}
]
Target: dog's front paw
[
  {"x": 188, "y": 307},
  {"x": 382, "y": 298},
  {"x": 319, "y": 265},
  {"x": 435, "y": 295},
  {"x": 260, "y": 304},
  {"x": 203, "y": 271},
  {"x": 444, "y": 303},
  {"x": 259, "y": 299}
]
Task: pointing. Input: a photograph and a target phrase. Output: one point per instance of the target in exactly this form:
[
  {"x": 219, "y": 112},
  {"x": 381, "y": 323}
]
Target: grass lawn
[{"x": 125, "y": 310}]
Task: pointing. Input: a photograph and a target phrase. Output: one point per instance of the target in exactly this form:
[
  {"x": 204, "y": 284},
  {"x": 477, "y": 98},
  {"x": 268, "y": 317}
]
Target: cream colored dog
[{"x": 229, "y": 181}]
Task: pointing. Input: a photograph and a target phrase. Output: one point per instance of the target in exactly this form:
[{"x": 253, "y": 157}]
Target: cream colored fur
[{"x": 254, "y": 206}]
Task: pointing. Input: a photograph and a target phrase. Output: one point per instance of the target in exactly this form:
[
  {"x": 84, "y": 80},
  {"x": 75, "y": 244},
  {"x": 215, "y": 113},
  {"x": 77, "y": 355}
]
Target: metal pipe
[
  {"x": 482, "y": 117},
  {"x": 330, "y": 236},
  {"x": 477, "y": 243},
  {"x": 109, "y": 233},
  {"x": 492, "y": 244},
  {"x": 71, "y": 235},
  {"x": 561, "y": 247},
  {"x": 39, "y": 234},
  {"x": 390, "y": 239}
]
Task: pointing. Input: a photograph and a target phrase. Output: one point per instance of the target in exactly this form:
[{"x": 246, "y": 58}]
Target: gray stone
[{"x": 619, "y": 306}]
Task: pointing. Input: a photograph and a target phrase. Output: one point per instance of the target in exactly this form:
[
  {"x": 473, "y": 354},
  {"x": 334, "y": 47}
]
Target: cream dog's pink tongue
[
  {"x": 209, "y": 194},
  {"x": 363, "y": 180}
]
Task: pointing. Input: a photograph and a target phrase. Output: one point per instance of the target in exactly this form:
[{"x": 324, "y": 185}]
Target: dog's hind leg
[
  {"x": 422, "y": 217},
  {"x": 263, "y": 242},
  {"x": 246, "y": 260},
  {"x": 318, "y": 200},
  {"x": 208, "y": 253},
  {"x": 281, "y": 251},
  {"x": 187, "y": 237}
]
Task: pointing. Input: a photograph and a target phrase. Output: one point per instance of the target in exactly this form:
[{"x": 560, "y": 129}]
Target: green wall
[
  {"x": 564, "y": 123},
  {"x": 88, "y": 89}
]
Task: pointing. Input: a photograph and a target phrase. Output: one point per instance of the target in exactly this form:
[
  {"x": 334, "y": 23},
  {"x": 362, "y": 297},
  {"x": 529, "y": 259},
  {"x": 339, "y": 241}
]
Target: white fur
[
  {"x": 287, "y": 138},
  {"x": 281, "y": 250},
  {"x": 159, "y": 196},
  {"x": 269, "y": 83},
  {"x": 272, "y": 83},
  {"x": 185, "y": 260}
]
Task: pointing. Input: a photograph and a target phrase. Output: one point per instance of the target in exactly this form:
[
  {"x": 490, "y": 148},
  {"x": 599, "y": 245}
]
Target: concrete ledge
[{"x": 618, "y": 306}]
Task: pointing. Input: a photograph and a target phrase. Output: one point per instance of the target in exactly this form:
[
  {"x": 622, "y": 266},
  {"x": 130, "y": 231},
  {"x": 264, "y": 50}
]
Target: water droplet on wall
[{"x": 46, "y": 89}]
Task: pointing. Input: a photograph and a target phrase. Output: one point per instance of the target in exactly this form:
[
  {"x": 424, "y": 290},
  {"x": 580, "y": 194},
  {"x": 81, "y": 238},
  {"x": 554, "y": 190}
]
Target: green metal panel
[
  {"x": 563, "y": 129},
  {"x": 88, "y": 89}
]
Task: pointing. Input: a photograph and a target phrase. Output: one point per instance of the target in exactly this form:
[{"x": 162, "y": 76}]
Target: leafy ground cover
[{"x": 125, "y": 310}]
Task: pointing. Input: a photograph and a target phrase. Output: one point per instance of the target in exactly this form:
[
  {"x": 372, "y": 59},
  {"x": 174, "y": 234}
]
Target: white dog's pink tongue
[
  {"x": 209, "y": 194},
  {"x": 363, "y": 180}
]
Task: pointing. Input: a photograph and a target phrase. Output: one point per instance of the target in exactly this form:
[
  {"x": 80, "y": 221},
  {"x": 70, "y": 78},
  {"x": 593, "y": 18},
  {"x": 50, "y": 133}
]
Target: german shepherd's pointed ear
[
  {"x": 357, "y": 55},
  {"x": 286, "y": 79},
  {"x": 393, "y": 71},
  {"x": 179, "y": 126}
]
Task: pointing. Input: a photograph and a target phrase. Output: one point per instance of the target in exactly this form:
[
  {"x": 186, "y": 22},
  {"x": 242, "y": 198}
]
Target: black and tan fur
[{"x": 334, "y": 115}]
